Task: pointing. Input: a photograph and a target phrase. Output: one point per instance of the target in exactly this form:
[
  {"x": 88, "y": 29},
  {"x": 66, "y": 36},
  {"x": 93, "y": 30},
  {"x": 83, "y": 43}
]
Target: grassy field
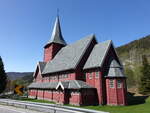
[
  {"x": 137, "y": 105},
  {"x": 139, "y": 108}
]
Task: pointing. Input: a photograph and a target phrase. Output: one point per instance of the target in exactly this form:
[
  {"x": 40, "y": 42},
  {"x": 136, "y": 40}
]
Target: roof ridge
[
  {"x": 105, "y": 53},
  {"x": 99, "y": 47},
  {"x": 92, "y": 37},
  {"x": 69, "y": 56}
]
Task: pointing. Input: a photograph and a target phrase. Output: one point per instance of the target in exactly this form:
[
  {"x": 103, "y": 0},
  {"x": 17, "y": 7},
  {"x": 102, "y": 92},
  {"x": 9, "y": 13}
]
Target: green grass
[
  {"x": 35, "y": 100},
  {"x": 139, "y": 108}
]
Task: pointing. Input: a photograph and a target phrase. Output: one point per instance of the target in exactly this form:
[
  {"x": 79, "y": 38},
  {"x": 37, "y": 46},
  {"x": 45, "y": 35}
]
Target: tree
[
  {"x": 144, "y": 84},
  {"x": 131, "y": 82},
  {"x": 3, "y": 77}
]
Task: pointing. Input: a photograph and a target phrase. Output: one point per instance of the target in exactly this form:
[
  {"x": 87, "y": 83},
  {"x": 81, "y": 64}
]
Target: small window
[
  {"x": 111, "y": 83},
  {"x": 59, "y": 76},
  {"x": 63, "y": 75},
  {"x": 97, "y": 74},
  {"x": 66, "y": 75},
  {"x": 119, "y": 82},
  {"x": 90, "y": 75}
]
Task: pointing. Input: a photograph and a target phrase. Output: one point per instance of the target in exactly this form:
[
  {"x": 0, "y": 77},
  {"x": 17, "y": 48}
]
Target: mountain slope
[
  {"x": 132, "y": 52},
  {"x": 131, "y": 56},
  {"x": 17, "y": 75}
]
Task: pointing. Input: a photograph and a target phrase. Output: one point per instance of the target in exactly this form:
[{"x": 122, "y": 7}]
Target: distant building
[{"x": 83, "y": 73}]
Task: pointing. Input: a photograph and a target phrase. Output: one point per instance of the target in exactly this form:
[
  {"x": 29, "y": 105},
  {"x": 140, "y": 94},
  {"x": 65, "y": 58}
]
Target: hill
[
  {"x": 132, "y": 52},
  {"x": 17, "y": 75},
  {"x": 131, "y": 57}
]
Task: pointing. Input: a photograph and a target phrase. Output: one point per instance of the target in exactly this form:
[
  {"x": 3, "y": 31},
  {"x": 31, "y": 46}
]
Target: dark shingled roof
[
  {"x": 43, "y": 85},
  {"x": 69, "y": 56},
  {"x": 97, "y": 55},
  {"x": 42, "y": 66},
  {"x": 115, "y": 64},
  {"x": 71, "y": 84},
  {"x": 77, "y": 84},
  {"x": 115, "y": 70},
  {"x": 56, "y": 34}
]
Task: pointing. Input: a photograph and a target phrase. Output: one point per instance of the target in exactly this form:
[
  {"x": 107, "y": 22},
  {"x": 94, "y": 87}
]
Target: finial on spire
[
  {"x": 56, "y": 36},
  {"x": 57, "y": 12}
]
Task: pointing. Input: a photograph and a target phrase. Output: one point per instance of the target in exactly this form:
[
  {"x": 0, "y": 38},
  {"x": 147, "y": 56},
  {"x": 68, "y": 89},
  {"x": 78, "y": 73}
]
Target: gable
[
  {"x": 69, "y": 56},
  {"x": 39, "y": 69},
  {"x": 98, "y": 55},
  {"x": 112, "y": 56},
  {"x": 36, "y": 72}
]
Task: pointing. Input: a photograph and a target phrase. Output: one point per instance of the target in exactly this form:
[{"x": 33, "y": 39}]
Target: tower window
[
  {"x": 65, "y": 75},
  {"x": 119, "y": 82},
  {"x": 111, "y": 83},
  {"x": 96, "y": 74},
  {"x": 90, "y": 75}
]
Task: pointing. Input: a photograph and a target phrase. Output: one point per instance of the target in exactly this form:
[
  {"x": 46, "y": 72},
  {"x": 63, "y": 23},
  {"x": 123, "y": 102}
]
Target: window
[
  {"x": 65, "y": 75},
  {"x": 97, "y": 74},
  {"x": 90, "y": 75},
  {"x": 111, "y": 83},
  {"x": 119, "y": 82},
  {"x": 60, "y": 76}
]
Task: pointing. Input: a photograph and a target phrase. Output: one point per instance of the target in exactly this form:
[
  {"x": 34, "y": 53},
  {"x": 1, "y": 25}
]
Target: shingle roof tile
[
  {"x": 115, "y": 69},
  {"x": 115, "y": 72},
  {"x": 42, "y": 66},
  {"x": 97, "y": 55},
  {"x": 68, "y": 57},
  {"x": 56, "y": 34},
  {"x": 71, "y": 84}
]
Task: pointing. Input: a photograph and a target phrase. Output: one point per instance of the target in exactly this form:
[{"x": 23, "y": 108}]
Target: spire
[{"x": 56, "y": 36}]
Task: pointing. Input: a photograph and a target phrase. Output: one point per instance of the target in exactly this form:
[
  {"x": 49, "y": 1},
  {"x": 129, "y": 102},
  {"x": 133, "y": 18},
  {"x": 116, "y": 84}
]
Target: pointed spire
[{"x": 56, "y": 36}]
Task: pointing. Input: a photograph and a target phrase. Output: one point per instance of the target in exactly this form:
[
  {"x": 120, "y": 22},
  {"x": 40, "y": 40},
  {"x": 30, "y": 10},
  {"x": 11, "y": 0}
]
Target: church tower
[{"x": 55, "y": 43}]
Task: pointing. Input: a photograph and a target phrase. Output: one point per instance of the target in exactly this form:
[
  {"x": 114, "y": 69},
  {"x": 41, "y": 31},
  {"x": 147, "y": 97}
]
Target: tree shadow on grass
[{"x": 135, "y": 100}]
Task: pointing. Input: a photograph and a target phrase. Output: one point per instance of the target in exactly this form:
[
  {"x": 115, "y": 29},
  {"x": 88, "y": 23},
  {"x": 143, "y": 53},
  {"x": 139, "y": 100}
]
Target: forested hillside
[{"x": 131, "y": 57}]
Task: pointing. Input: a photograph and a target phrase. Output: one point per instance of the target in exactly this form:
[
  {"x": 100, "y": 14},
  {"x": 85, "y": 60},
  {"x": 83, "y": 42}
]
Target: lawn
[{"x": 136, "y": 107}]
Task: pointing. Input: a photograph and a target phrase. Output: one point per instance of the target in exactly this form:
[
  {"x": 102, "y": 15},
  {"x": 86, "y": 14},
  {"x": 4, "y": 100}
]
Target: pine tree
[
  {"x": 3, "y": 77},
  {"x": 144, "y": 84}
]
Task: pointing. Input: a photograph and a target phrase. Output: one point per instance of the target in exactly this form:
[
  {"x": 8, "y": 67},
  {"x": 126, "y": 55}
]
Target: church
[{"x": 86, "y": 72}]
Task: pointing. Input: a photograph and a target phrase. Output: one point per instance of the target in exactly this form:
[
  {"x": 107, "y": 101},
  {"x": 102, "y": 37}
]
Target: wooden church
[{"x": 82, "y": 73}]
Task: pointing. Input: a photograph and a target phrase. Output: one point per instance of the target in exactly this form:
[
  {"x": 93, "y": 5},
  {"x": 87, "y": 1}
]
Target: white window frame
[
  {"x": 111, "y": 83},
  {"x": 90, "y": 75},
  {"x": 66, "y": 75},
  {"x": 119, "y": 83},
  {"x": 97, "y": 74}
]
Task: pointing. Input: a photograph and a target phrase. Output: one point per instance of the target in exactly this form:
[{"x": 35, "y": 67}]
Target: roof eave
[
  {"x": 115, "y": 77},
  {"x": 58, "y": 71}
]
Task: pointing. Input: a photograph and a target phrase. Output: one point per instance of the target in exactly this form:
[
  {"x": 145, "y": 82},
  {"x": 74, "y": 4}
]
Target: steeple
[
  {"x": 56, "y": 36},
  {"x": 55, "y": 43}
]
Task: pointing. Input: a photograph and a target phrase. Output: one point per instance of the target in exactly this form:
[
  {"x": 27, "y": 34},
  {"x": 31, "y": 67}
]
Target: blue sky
[{"x": 26, "y": 25}]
